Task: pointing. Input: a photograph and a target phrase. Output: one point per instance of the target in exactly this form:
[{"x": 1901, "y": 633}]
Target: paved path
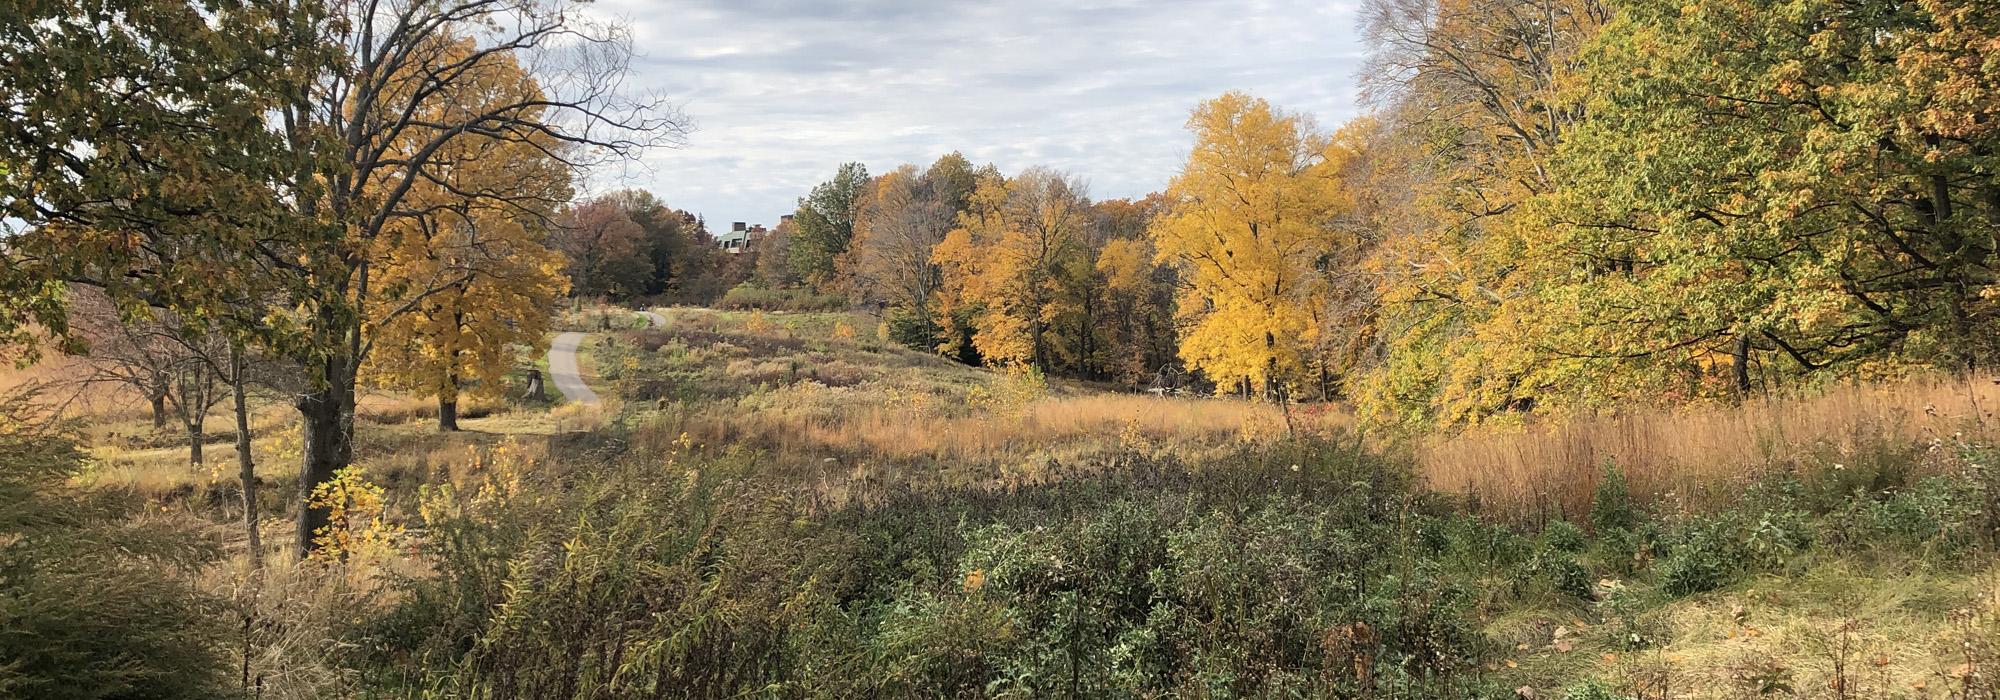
[
  {"x": 563, "y": 371},
  {"x": 562, "y": 363}
]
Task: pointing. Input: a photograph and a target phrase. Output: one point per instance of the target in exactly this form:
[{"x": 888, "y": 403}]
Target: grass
[
  {"x": 857, "y": 487},
  {"x": 1692, "y": 456},
  {"x": 811, "y": 387}
]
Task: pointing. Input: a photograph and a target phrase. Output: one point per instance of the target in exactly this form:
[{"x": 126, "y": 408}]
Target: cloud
[{"x": 783, "y": 91}]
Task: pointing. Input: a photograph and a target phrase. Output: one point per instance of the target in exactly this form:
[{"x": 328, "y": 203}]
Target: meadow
[{"x": 780, "y": 504}]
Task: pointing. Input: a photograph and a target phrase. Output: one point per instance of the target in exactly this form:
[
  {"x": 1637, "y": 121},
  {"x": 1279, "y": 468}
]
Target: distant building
[
  {"x": 741, "y": 235},
  {"x": 736, "y": 239}
]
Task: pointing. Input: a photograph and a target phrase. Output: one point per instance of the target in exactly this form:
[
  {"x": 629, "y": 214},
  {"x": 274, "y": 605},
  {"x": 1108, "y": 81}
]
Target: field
[{"x": 782, "y": 504}]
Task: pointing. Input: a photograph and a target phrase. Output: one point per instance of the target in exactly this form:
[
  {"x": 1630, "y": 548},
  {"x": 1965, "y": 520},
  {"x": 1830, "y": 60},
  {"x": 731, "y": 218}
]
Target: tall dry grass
[
  {"x": 1051, "y": 425},
  {"x": 1693, "y": 454}
]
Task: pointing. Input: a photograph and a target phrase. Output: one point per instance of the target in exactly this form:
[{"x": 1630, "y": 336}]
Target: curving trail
[{"x": 563, "y": 370}]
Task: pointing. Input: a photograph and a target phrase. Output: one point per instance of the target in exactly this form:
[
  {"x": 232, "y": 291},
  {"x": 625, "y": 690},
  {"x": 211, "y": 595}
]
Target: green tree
[
  {"x": 1817, "y": 201},
  {"x": 823, "y": 226}
]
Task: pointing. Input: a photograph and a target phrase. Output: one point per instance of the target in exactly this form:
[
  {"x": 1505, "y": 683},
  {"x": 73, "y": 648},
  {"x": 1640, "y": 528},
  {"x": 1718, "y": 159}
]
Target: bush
[
  {"x": 94, "y": 599},
  {"x": 748, "y": 296},
  {"x": 914, "y": 329},
  {"x": 1241, "y": 577},
  {"x": 1611, "y": 504}
]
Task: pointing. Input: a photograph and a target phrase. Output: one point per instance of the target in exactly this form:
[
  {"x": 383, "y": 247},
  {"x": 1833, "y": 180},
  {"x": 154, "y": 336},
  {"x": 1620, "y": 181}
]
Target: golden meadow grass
[
  {"x": 1545, "y": 467},
  {"x": 1688, "y": 453},
  {"x": 907, "y": 432}
]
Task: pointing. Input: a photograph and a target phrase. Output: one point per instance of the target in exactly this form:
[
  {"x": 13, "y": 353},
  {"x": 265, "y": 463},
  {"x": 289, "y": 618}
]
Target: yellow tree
[
  {"x": 1249, "y": 223},
  {"x": 1007, "y": 267},
  {"x": 468, "y": 275},
  {"x": 1476, "y": 97}
]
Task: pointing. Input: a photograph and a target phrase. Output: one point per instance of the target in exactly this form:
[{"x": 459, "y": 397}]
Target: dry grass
[{"x": 1694, "y": 453}]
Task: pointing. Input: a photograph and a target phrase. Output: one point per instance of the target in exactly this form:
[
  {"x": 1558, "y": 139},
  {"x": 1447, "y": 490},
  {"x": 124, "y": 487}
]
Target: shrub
[
  {"x": 1563, "y": 536},
  {"x": 94, "y": 599},
  {"x": 1611, "y": 504},
  {"x": 1241, "y": 577},
  {"x": 748, "y": 296},
  {"x": 913, "y": 329}
]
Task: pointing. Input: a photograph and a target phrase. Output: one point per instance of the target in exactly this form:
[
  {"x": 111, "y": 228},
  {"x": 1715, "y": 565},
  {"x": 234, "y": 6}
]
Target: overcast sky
[{"x": 783, "y": 91}]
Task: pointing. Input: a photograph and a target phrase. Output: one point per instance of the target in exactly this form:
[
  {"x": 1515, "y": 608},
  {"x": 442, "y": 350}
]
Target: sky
[{"x": 781, "y": 92}]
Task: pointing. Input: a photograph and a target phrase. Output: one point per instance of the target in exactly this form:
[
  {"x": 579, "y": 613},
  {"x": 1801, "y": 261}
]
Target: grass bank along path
[{"x": 563, "y": 369}]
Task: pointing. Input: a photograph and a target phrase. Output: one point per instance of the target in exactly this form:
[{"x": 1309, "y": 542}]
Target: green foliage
[
  {"x": 824, "y": 223},
  {"x": 95, "y": 600},
  {"x": 1243, "y": 578},
  {"x": 747, "y": 296},
  {"x": 1592, "y": 690},
  {"x": 1611, "y": 505},
  {"x": 1705, "y": 558},
  {"x": 915, "y": 329}
]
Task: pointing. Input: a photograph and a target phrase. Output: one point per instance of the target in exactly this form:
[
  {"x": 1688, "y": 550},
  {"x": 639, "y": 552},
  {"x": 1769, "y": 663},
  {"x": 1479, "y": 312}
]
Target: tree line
[
  {"x": 1550, "y": 205},
  {"x": 1022, "y": 270}
]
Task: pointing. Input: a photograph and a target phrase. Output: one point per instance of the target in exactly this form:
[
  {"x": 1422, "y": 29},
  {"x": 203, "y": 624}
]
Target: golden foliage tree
[
  {"x": 469, "y": 276},
  {"x": 1248, "y": 225},
  {"x": 1007, "y": 267}
]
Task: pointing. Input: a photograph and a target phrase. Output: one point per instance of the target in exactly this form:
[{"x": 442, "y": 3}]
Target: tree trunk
[
  {"x": 159, "y": 410},
  {"x": 194, "y": 443},
  {"x": 535, "y": 393},
  {"x": 1742, "y": 365},
  {"x": 327, "y": 415},
  {"x": 447, "y": 415},
  {"x": 448, "y": 397},
  {"x": 245, "y": 466}
]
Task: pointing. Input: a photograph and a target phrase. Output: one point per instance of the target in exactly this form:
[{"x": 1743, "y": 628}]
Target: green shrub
[
  {"x": 1706, "y": 557},
  {"x": 914, "y": 329},
  {"x": 1611, "y": 504},
  {"x": 748, "y": 296},
  {"x": 1242, "y": 577},
  {"x": 1563, "y": 573},
  {"x": 1564, "y": 536},
  {"x": 94, "y": 597},
  {"x": 1592, "y": 690}
]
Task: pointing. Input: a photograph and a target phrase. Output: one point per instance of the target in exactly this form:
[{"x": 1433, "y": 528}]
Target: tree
[
  {"x": 1006, "y": 269},
  {"x": 136, "y": 152},
  {"x": 475, "y": 249},
  {"x": 676, "y": 244},
  {"x": 1475, "y": 102},
  {"x": 1138, "y": 293},
  {"x": 889, "y": 266},
  {"x": 606, "y": 249},
  {"x": 1820, "y": 200},
  {"x": 173, "y": 364},
  {"x": 1247, "y": 225},
  {"x": 773, "y": 267},
  {"x": 285, "y": 157},
  {"x": 824, "y": 224}
]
